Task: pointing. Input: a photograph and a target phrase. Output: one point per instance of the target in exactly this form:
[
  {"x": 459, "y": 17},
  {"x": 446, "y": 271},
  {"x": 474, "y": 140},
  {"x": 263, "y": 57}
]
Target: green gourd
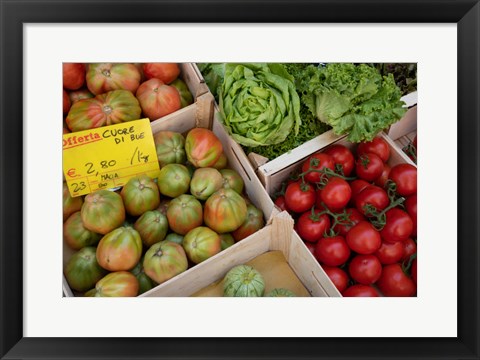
[
  {"x": 243, "y": 281},
  {"x": 281, "y": 292}
]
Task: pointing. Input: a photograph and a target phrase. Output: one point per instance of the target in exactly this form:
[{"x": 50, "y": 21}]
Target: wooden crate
[
  {"x": 190, "y": 73},
  {"x": 276, "y": 180},
  {"x": 277, "y": 235},
  {"x": 270, "y": 172},
  {"x": 200, "y": 114},
  {"x": 397, "y": 156}
]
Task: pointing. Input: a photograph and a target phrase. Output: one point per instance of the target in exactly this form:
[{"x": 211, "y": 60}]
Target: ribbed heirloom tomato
[
  {"x": 157, "y": 99},
  {"x": 225, "y": 211},
  {"x": 203, "y": 147}
]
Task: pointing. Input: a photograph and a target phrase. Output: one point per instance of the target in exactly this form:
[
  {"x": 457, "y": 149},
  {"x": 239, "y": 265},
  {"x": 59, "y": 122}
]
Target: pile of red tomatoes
[{"x": 358, "y": 217}]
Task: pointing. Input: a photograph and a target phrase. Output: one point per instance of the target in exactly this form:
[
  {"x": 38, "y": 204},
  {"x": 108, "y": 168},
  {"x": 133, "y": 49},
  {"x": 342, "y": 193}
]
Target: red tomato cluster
[{"x": 358, "y": 217}]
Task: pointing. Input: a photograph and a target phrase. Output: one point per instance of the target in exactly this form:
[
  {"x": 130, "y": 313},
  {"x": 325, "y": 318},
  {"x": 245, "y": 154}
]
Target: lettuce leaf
[
  {"x": 353, "y": 99},
  {"x": 259, "y": 104}
]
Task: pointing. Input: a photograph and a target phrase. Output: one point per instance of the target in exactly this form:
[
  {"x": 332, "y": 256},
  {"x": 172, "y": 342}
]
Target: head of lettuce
[{"x": 259, "y": 103}]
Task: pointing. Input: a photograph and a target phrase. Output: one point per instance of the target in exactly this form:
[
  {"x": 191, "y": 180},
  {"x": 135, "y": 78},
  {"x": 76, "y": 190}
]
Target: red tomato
[
  {"x": 166, "y": 72},
  {"x": 382, "y": 179},
  {"x": 363, "y": 238},
  {"x": 360, "y": 290},
  {"x": 357, "y": 186},
  {"x": 338, "y": 276},
  {"x": 390, "y": 253},
  {"x": 365, "y": 269},
  {"x": 73, "y": 75},
  {"x": 332, "y": 251},
  {"x": 280, "y": 202},
  {"x": 411, "y": 207},
  {"x": 409, "y": 248},
  {"x": 394, "y": 282},
  {"x": 414, "y": 271},
  {"x": 66, "y": 102},
  {"x": 342, "y": 156},
  {"x": 336, "y": 193},
  {"x": 399, "y": 226},
  {"x": 310, "y": 246},
  {"x": 158, "y": 99},
  {"x": 355, "y": 216},
  {"x": 374, "y": 196},
  {"x": 312, "y": 227},
  {"x": 377, "y": 146},
  {"x": 369, "y": 166},
  {"x": 405, "y": 177},
  {"x": 317, "y": 161},
  {"x": 318, "y": 200},
  {"x": 300, "y": 197}
]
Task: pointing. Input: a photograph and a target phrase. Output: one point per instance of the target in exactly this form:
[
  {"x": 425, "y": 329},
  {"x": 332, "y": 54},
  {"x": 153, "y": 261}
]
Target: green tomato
[
  {"x": 184, "y": 213},
  {"x": 201, "y": 243},
  {"x": 174, "y": 180},
  {"x": 170, "y": 147},
  {"x": 82, "y": 270}
]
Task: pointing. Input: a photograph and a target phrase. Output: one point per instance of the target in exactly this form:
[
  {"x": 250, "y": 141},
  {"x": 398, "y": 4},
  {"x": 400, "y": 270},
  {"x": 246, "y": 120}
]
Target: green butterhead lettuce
[{"x": 259, "y": 103}]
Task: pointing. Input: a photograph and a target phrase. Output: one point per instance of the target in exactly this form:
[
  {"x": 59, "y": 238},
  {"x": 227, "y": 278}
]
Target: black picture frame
[{"x": 465, "y": 13}]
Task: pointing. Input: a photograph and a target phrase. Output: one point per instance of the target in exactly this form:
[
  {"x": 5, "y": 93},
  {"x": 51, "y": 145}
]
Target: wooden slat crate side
[
  {"x": 267, "y": 171},
  {"x": 309, "y": 270},
  {"x": 405, "y": 126},
  {"x": 299, "y": 153},
  {"x": 213, "y": 269},
  {"x": 253, "y": 187},
  {"x": 300, "y": 259},
  {"x": 190, "y": 74},
  {"x": 186, "y": 119}
]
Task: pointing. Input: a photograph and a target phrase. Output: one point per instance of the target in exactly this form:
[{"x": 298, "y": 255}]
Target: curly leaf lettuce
[
  {"x": 353, "y": 100},
  {"x": 259, "y": 104}
]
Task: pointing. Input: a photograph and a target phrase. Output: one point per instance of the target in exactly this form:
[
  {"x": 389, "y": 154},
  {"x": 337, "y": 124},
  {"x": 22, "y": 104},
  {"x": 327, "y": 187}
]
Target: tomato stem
[
  {"x": 342, "y": 218},
  {"x": 325, "y": 171},
  {"x": 406, "y": 267},
  {"x": 380, "y": 218}
]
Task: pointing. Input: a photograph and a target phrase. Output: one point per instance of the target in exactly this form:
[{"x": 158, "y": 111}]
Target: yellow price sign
[{"x": 107, "y": 157}]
